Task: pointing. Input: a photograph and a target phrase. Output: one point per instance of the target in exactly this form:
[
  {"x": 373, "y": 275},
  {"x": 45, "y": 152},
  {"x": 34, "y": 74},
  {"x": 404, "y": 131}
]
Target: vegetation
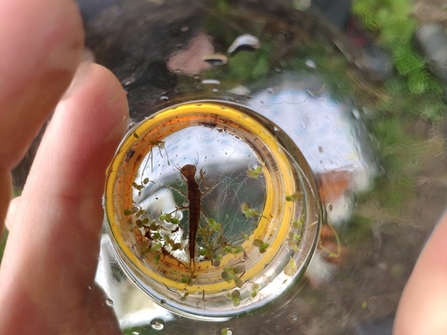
[
  {"x": 411, "y": 95},
  {"x": 391, "y": 20}
]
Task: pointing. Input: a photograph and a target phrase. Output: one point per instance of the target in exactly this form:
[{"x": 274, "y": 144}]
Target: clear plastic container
[{"x": 212, "y": 209}]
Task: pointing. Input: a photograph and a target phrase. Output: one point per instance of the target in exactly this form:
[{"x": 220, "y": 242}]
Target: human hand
[
  {"x": 48, "y": 269},
  {"x": 423, "y": 306}
]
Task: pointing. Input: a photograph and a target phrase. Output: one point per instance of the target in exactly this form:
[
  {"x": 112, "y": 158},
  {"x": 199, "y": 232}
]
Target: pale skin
[
  {"x": 423, "y": 306},
  {"x": 47, "y": 273}
]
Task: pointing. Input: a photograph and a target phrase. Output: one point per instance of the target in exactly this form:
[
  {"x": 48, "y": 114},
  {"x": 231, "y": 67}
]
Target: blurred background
[{"x": 386, "y": 60}]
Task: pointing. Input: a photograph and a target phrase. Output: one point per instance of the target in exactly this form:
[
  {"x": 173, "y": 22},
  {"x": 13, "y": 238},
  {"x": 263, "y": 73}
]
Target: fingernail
[
  {"x": 82, "y": 72},
  {"x": 120, "y": 103}
]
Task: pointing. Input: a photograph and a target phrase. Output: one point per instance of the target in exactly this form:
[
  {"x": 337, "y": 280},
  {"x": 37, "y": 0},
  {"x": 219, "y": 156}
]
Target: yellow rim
[{"x": 147, "y": 134}]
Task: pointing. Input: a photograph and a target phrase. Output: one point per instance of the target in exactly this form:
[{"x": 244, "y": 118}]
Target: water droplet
[
  {"x": 157, "y": 325},
  {"x": 109, "y": 302},
  {"x": 294, "y": 317},
  {"x": 226, "y": 331},
  {"x": 277, "y": 69},
  {"x": 216, "y": 59},
  {"x": 275, "y": 128},
  {"x": 135, "y": 333},
  {"x": 184, "y": 28},
  {"x": 356, "y": 113},
  {"x": 211, "y": 82},
  {"x": 164, "y": 98},
  {"x": 131, "y": 125},
  {"x": 215, "y": 90},
  {"x": 246, "y": 42}
]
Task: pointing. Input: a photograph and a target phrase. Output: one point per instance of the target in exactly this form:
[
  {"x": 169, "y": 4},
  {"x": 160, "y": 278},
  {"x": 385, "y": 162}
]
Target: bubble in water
[
  {"x": 253, "y": 165},
  {"x": 157, "y": 325},
  {"x": 226, "y": 331},
  {"x": 245, "y": 41},
  {"x": 109, "y": 302}
]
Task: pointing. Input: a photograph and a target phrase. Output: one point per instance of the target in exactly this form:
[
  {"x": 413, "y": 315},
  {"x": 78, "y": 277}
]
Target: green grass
[{"x": 392, "y": 22}]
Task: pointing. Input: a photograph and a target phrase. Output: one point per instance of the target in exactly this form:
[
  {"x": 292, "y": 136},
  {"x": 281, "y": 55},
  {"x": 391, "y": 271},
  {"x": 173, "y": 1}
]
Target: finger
[
  {"x": 12, "y": 209},
  {"x": 423, "y": 306},
  {"x": 41, "y": 43},
  {"x": 44, "y": 43},
  {"x": 52, "y": 249}
]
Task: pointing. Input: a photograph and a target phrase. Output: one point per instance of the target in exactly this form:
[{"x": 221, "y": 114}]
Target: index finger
[{"x": 41, "y": 43}]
